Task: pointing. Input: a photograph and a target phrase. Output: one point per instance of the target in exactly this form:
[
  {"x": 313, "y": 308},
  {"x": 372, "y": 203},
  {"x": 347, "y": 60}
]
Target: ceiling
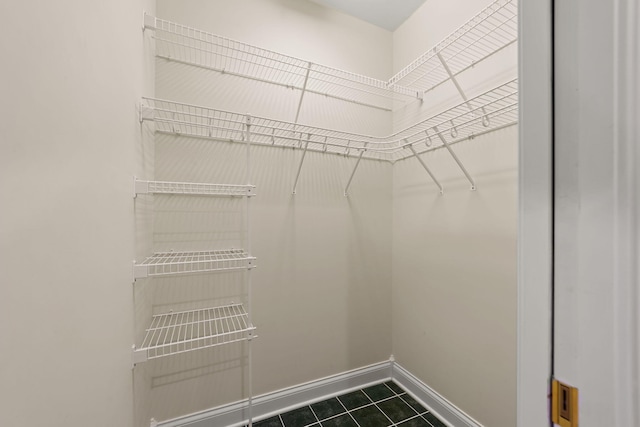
[{"x": 388, "y": 14}]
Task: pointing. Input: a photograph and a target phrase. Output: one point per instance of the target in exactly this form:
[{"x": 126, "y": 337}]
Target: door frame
[{"x": 535, "y": 211}]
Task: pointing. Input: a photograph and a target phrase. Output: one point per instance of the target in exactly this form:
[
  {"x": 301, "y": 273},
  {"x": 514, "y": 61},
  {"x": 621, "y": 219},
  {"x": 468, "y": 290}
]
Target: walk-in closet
[
  {"x": 282, "y": 213},
  {"x": 319, "y": 213},
  {"x": 324, "y": 205}
]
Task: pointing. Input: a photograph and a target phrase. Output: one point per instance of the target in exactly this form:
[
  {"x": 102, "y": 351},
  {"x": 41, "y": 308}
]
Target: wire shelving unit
[
  {"x": 192, "y": 188},
  {"x": 180, "y": 332},
  {"x": 490, "y": 31},
  {"x": 487, "y": 33}
]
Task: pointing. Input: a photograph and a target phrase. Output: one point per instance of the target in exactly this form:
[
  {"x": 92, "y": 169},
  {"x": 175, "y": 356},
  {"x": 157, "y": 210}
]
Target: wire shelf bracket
[
  {"x": 426, "y": 168},
  {"x": 453, "y": 80},
  {"x": 146, "y": 112},
  {"x": 455, "y": 157},
  {"x": 148, "y": 21},
  {"x": 346, "y": 188},
  {"x": 303, "y": 90},
  {"x": 306, "y": 146}
]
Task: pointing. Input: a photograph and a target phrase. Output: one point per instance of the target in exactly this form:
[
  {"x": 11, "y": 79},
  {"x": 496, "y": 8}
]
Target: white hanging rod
[
  {"x": 488, "y": 32},
  {"x": 488, "y": 110},
  {"x": 195, "y": 47}
]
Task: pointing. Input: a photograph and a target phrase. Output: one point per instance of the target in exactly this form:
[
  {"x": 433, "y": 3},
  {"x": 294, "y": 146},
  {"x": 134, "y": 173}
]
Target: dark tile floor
[{"x": 380, "y": 405}]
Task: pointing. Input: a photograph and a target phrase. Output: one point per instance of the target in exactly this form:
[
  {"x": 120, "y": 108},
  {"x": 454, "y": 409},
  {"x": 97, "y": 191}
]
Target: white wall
[
  {"x": 73, "y": 72},
  {"x": 454, "y": 276},
  {"x": 454, "y": 256},
  {"x": 322, "y": 288}
]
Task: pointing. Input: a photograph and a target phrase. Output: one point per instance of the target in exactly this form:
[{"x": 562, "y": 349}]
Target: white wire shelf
[
  {"x": 193, "y": 188},
  {"x": 191, "y": 46},
  {"x": 181, "y": 332},
  {"x": 488, "y": 111},
  {"x": 174, "y": 263},
  {"x": 490, "y": 31}
]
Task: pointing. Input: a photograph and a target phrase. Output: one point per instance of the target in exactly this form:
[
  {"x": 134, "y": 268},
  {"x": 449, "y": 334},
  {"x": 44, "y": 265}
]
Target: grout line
[
  {"x": 374, "y": 403},
  {"x": 314, "y": 414},
  {"x": 418, "y": 414},
  {"x": 412, "y": 418},
  {"x": 348, "y": 412},
  {"x": 414, "y": 409}
]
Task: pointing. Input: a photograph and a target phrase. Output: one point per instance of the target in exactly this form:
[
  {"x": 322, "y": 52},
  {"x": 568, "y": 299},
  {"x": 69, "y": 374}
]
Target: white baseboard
[
  {"x": 441, "y": 407},
  {"x": 270, "y": 404}
]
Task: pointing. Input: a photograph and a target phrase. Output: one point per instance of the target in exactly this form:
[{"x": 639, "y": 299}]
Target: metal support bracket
[
  {"x": 452, "y": 77},
  {"x": 455, "y": 157},
  {"x": 304, "y": 153},
  {"x": 304, "y": 89},
  {"x": 346, "y": 189},
  {"x": 138, "y": 356},
  {"x": 139, "y": 271},
  {"x": 424, "y": 165},
  {"x": 140, "y": 187},
  {"x": 148, "y": 21},
  {"x": 146, "y": 112}
]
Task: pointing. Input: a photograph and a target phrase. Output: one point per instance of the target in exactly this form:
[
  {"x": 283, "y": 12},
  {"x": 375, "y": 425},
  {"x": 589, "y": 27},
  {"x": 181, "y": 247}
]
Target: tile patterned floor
[{"x": 380, "y": 405}]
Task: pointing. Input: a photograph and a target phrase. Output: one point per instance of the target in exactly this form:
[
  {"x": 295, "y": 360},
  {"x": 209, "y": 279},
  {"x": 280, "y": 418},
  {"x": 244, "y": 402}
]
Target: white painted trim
[
  {"x": 428, "y": 397},
  {"x": 626, "y": 295},
  {"x": 270, "y": 404},
  {"x": 535, "y": 214}
]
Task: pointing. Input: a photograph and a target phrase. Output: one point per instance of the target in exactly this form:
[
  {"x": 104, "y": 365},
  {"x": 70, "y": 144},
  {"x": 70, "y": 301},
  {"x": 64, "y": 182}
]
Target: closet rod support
[
  {"x": 426, "y": 168},
  {"x": 304, "y": 153},
  {"x": 455, "y": 157}
]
